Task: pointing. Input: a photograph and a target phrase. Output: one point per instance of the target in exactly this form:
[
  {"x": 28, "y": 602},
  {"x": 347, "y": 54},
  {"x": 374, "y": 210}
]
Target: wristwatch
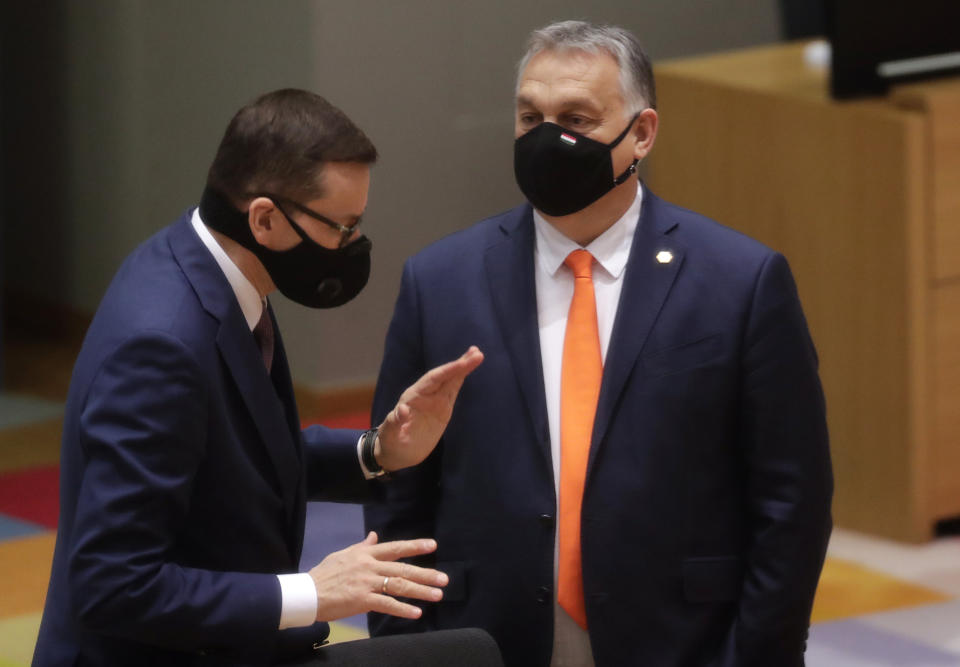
[{"x": 367, "y": 445}]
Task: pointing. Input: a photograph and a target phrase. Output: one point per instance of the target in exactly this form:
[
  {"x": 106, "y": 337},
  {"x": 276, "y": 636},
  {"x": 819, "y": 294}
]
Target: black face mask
[
  {"x": 562, "y": 172},
  {"x": 307, "y": 273}
]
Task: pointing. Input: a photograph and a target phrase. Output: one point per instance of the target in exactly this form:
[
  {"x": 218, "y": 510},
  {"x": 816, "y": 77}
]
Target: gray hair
[{"x": 636, "y": 73}]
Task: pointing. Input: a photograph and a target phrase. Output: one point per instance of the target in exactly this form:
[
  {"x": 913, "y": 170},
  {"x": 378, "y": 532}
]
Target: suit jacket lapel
[
  {"x": 510, "y": 273},
  {"x": 241, "y": 355},
  {"x": 283, "y": 383},
  {"x": 243, "y": 359},
  {"x": 646, "y": 285},
  {"x": 284, "y": 386}
]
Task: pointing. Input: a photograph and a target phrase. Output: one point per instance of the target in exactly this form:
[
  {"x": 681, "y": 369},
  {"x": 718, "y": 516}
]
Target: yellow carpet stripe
[
  {"x": 847, "y": 589},
  {"x": 17, "y": 637}
]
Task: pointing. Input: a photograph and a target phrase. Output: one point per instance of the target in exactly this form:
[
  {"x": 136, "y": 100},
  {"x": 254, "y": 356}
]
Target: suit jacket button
[
  {"x": 544, "y": 595},
  {"x": 546, "y": 520}
]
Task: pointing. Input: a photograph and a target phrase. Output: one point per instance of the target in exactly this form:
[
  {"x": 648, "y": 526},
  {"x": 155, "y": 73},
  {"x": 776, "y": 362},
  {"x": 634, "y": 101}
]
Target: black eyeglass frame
[{"x": 346, "y": 232}]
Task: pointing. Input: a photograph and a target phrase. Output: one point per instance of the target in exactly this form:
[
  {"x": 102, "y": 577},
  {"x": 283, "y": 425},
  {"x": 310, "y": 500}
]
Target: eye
[
  {"x": 578, "y": 122},
  {"x": 528, "y": 118}
]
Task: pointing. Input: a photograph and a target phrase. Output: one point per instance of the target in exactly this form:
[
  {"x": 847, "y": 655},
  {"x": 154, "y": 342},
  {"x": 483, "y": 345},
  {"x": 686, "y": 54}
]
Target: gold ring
[{"x": 383, "y": 588}]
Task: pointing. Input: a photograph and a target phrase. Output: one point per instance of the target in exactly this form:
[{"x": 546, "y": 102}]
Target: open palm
[{"x": 414, "y": 427}]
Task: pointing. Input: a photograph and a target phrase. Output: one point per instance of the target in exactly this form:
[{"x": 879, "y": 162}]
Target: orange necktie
[{"x": 579, "y": 391}]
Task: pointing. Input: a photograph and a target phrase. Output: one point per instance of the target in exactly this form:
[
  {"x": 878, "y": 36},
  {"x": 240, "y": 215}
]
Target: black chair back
[{"x": 469, "y": 647}]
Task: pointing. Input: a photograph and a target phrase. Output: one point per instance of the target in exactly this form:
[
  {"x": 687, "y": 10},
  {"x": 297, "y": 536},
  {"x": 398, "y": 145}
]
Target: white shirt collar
[
  {"x": 611, "y": 249},
  {"x": 251, "y": 303}
]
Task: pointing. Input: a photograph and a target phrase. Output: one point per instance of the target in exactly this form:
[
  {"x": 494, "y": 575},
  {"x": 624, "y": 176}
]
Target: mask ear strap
[
  {"x": 299, "y": 230},
  {"x": 616, "y": 142},
  {"x": 632, "y": 169}
]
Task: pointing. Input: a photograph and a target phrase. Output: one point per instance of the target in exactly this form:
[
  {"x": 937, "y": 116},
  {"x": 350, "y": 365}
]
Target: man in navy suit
[
  {"x": 639, "y": 473},
  {"x": 184, "y": 471}
]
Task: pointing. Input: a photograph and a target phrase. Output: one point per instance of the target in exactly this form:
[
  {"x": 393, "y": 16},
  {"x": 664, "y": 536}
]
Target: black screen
[{"x": 877, "y": 42}]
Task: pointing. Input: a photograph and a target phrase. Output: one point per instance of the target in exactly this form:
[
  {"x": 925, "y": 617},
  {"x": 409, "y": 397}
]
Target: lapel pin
[{"x": 664, "y": 256}]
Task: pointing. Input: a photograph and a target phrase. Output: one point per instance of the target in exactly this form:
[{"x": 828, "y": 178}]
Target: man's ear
[
  {"x": 645, "y": 133},
  {"x": 260, "y": 218}
]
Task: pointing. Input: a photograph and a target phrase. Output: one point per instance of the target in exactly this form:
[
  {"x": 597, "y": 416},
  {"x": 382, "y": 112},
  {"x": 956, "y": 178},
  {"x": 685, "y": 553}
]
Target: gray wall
[{"x": 150, "y": 87}]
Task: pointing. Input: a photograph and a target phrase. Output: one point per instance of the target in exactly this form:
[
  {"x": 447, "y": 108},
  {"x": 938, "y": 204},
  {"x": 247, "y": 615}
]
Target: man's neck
[
  {"x": 251, "y": 267},
  {"x": 584, "y": 226}
]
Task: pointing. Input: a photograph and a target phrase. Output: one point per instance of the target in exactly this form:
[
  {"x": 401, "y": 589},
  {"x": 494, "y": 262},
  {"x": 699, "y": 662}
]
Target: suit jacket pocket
[
  {"x": 456, "y": 590},
  {"x": 683, "y": 357},
  {"x": 712, "y": 578}
]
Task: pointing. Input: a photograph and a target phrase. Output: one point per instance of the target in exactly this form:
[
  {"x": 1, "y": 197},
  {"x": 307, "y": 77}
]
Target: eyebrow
[
  {"x": 569, "y": 104},
  {"x": 524, "y": 100}
]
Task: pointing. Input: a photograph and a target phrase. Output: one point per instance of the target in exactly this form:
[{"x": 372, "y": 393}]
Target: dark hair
[{"x": 279, "y": 144}]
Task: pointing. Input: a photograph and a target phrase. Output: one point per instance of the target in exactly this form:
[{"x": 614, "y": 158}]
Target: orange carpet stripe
[{"x": 25, "y": 567}]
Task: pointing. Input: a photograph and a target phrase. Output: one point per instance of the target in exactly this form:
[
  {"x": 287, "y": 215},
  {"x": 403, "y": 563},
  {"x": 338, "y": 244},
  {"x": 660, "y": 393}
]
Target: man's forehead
[
  {"x": 578, "y": 77},
  {"x": 574, "y": 63}
]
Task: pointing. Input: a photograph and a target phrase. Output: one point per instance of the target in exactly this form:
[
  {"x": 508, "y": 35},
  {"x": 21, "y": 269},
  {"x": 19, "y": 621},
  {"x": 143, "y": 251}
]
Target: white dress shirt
[
  {"x": 298, "y": 593},
  {"x": 554, "y": 283}
]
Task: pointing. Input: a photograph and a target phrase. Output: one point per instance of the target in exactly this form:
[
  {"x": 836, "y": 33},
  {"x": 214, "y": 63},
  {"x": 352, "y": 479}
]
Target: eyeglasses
[{"x": 346, "y": 232}]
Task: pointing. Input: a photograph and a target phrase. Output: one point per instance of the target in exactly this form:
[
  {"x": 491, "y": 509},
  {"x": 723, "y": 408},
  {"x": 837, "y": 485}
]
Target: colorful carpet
[{"x": 879, "y": 603}]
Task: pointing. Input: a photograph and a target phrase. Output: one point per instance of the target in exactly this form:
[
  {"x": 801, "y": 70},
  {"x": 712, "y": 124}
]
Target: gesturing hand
[
  {"x": 413, "y": 428},
  {"x": 364, "y": 577}
]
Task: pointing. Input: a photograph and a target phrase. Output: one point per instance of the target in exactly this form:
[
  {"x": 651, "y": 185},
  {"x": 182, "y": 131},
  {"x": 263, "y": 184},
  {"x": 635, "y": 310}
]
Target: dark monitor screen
[{"x": 879, "y": 42}]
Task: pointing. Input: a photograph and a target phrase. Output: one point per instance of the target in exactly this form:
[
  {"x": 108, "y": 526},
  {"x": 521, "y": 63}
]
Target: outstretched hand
[
  {"x": 365, "y": 577},
  {"x": 413, "y": 428}
]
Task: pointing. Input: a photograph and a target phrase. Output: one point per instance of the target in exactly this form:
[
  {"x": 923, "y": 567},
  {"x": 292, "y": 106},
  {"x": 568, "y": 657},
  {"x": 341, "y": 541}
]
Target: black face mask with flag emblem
[{"x": 561, "y": 172}]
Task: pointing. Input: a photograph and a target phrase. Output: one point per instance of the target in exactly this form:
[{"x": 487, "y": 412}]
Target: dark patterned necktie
[{"x": 263, "y": 333}]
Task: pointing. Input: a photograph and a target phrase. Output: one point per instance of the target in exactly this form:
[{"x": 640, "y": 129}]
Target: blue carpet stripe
[
  {"x": 855, "y": 643},
  {"x": 11, "y": 529}
]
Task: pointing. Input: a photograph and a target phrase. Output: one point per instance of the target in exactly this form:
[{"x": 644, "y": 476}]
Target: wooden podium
[{"x": 863, "y": 198}]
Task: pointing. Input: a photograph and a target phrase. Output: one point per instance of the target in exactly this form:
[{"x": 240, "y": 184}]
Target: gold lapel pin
[{"x": 664, "y": 256}]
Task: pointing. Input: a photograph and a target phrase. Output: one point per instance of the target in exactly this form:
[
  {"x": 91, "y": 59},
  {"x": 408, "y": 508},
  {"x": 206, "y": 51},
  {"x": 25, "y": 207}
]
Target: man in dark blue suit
[
  {"x": 184, "y": 471},
  {"x": 639, "y": 473}
]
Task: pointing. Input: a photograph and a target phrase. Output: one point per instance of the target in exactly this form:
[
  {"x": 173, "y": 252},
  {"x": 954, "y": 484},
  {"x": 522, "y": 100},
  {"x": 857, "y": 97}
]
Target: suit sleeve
[
  {"x": 789, "y": 477},
  {"x": 405, "y": 507},
  {"x": 143, "y": 433},
  {"x": 333, "y": 467}
]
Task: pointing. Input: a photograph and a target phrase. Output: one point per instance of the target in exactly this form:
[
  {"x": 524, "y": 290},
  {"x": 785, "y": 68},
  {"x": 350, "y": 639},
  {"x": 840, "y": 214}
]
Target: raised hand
[{"x": 413, "y": 428}]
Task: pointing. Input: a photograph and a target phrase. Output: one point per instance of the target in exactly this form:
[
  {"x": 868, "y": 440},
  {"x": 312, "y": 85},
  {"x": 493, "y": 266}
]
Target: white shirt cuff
[
  {"x": 298, "y": 600},
  {"x": 366, "y": 473}
]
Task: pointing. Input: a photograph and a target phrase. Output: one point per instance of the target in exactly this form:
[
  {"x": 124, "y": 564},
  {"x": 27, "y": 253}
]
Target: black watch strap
[{"x": 366, "y": 453}]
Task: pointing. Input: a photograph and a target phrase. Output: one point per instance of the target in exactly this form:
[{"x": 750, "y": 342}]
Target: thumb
[{"x": 370, "y": 539}]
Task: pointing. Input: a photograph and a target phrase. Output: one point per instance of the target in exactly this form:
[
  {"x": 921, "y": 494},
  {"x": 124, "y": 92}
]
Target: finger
[
  {"x": 402, "y": 412},
  {"x": 395, "y": 418},
  {"x": 467, "y": 363},
  {"x": 369, "y": 541},
  {"x": 420, "y": 575},
  {"x": 388, "y": 605},
  {"x": 473, "y": 357},
  {"x": 403, "y": 588},
  {"x": 457, "y": 369},
  {"x": 388, "y": 551}
]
